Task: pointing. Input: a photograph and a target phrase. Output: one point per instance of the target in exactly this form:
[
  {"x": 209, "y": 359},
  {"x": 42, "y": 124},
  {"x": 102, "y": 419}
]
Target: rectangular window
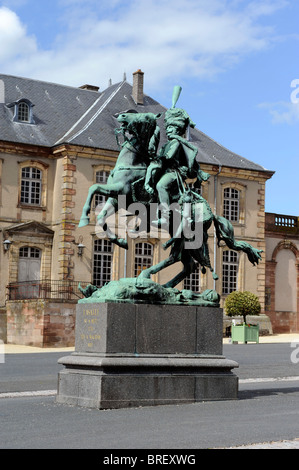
[
  {"x": 101, "y": 177},
  {"x": 192, "y": 282},
  {"x": 31, "y": 185},
  {"x": 229, "y": 272},
  {"x": 143, "y": 257},
  {"x": 102, "y": 262},
  {"x": 231, "y": 199}
]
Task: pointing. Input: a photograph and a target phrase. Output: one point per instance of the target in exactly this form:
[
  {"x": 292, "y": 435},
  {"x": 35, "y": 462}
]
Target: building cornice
[
  {"x": 24, "y": 149},
  {"x": 75, "y": 151},
  {"x": 238, "y": 173}
]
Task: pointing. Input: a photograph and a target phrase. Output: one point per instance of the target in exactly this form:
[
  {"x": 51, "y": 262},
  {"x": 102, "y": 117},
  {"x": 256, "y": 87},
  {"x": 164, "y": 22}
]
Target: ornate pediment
[{"x": 31, "y": 228}]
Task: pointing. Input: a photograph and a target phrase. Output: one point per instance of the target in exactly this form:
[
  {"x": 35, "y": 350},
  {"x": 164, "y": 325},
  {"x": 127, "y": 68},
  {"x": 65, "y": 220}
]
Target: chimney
[
  {"x": 90, "y": 88},
  {"x": 137, "y": 93}
]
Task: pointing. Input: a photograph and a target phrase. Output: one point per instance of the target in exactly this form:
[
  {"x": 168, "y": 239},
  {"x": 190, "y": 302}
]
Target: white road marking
[
  {"x": 39, "y": 393},
  {"x": 269, "y": 379}
]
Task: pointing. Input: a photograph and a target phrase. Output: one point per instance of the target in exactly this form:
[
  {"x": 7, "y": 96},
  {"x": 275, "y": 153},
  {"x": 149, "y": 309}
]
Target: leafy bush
[{"x": 242, "y": 303}]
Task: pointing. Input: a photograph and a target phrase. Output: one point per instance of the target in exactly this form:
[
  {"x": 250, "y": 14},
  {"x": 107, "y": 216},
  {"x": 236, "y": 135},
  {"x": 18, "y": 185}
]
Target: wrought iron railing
[{"x": 54, "y": 290}]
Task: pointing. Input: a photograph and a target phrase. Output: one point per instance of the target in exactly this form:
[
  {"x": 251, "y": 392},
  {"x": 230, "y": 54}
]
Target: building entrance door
[{"x": 29, "y": 272}]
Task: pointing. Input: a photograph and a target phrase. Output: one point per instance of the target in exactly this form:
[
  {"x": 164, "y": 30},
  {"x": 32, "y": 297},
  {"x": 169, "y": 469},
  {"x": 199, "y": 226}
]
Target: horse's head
[
  {"x": 142, "y": 126},
  {"x": 135, "y": 123},
  {"x": 126, "y": 119}
]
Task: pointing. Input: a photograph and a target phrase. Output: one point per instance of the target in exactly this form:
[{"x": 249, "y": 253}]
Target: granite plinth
[{"x": 129, "y": 355}]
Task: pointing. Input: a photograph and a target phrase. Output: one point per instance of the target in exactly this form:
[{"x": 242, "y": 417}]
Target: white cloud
[
  {"x": 168, "y": 40},
  {"x": 14, "y": 40},
  {"x": 283, "y": 112}
]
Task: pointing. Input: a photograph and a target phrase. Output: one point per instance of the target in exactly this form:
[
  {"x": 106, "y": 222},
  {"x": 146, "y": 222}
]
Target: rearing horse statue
[
  {"x": 141, "y": 176},
  {"x": 132, "y": 163}
]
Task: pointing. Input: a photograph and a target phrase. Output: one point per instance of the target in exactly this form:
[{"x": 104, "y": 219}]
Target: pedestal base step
[{"x": 103, "y": 382}]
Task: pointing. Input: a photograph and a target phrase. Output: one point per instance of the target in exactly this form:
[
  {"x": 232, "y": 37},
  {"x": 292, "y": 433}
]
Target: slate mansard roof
[{"x": 76, "y": 116}]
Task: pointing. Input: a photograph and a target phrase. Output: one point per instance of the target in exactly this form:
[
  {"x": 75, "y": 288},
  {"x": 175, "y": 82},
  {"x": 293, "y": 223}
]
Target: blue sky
[{"x": 237, "y": 61}]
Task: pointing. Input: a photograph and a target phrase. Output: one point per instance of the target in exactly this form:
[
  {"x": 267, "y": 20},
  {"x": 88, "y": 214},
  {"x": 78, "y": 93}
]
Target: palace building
[
  {"x": 55, "y": 142},
  {"x": 282, "y": 272}
]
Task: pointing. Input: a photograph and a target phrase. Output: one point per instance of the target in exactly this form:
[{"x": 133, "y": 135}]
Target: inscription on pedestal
[
  {"x": 91, "y": 325},
  {"x": 91, "y": 320},
  {"x": 148, "y": 329},
  {"x": 105, "y": 328}
]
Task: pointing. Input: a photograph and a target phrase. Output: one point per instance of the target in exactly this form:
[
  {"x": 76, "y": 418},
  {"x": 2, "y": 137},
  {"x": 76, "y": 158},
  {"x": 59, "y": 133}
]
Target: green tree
[{"x": 242, "y": 303}]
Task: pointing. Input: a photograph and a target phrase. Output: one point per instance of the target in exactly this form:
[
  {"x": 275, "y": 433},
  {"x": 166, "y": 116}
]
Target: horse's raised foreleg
[
  {"x": 110, "y": 208},
  {"x": 110, "y": 190}
]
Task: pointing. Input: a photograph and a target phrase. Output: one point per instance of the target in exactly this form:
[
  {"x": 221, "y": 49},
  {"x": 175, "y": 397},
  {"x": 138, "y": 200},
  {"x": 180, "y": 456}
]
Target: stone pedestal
[{"x": 130, "y": 355}]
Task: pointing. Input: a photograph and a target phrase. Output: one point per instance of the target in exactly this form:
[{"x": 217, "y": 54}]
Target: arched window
[
  {"x": 31, "y": 186},
  {"x": 143, "y": 257},
  {"x": 102, "y": 262},
  {"x": 23, "y": 112},
  {"x": 29, "y": 252},
  {"x": 230, "y": 264},
  {"x": 231, "y": 204}
]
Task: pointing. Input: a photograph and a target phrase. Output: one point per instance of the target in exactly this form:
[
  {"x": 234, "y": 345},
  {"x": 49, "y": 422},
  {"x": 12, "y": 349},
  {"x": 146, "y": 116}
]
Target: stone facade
[
  {"x": 41, "y": 323},
  {"x": 282, "y": 272}
]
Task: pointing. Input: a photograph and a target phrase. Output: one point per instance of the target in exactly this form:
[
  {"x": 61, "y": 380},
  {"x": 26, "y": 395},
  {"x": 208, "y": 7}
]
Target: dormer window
[{"x": 23, "y": 111}]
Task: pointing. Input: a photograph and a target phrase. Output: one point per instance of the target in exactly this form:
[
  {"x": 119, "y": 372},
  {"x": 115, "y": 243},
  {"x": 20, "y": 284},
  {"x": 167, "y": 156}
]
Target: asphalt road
[
  {"x": 22, "y": 372},
  {"x": 28, "y": 372},
  {"x": 267, "y": 409},
  {"x": 262, "y": 360}
]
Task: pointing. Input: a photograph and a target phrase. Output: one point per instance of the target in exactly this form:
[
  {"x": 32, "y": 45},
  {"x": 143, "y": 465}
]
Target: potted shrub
[{"x": 243, "y": 303}]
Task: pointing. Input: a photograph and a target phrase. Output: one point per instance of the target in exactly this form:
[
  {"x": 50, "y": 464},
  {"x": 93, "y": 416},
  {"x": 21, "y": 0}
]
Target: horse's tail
[{"x": 225, "y": 232}]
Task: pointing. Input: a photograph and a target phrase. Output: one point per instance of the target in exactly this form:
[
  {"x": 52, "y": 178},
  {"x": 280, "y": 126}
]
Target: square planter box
[{"x": 245, "y": 333}]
